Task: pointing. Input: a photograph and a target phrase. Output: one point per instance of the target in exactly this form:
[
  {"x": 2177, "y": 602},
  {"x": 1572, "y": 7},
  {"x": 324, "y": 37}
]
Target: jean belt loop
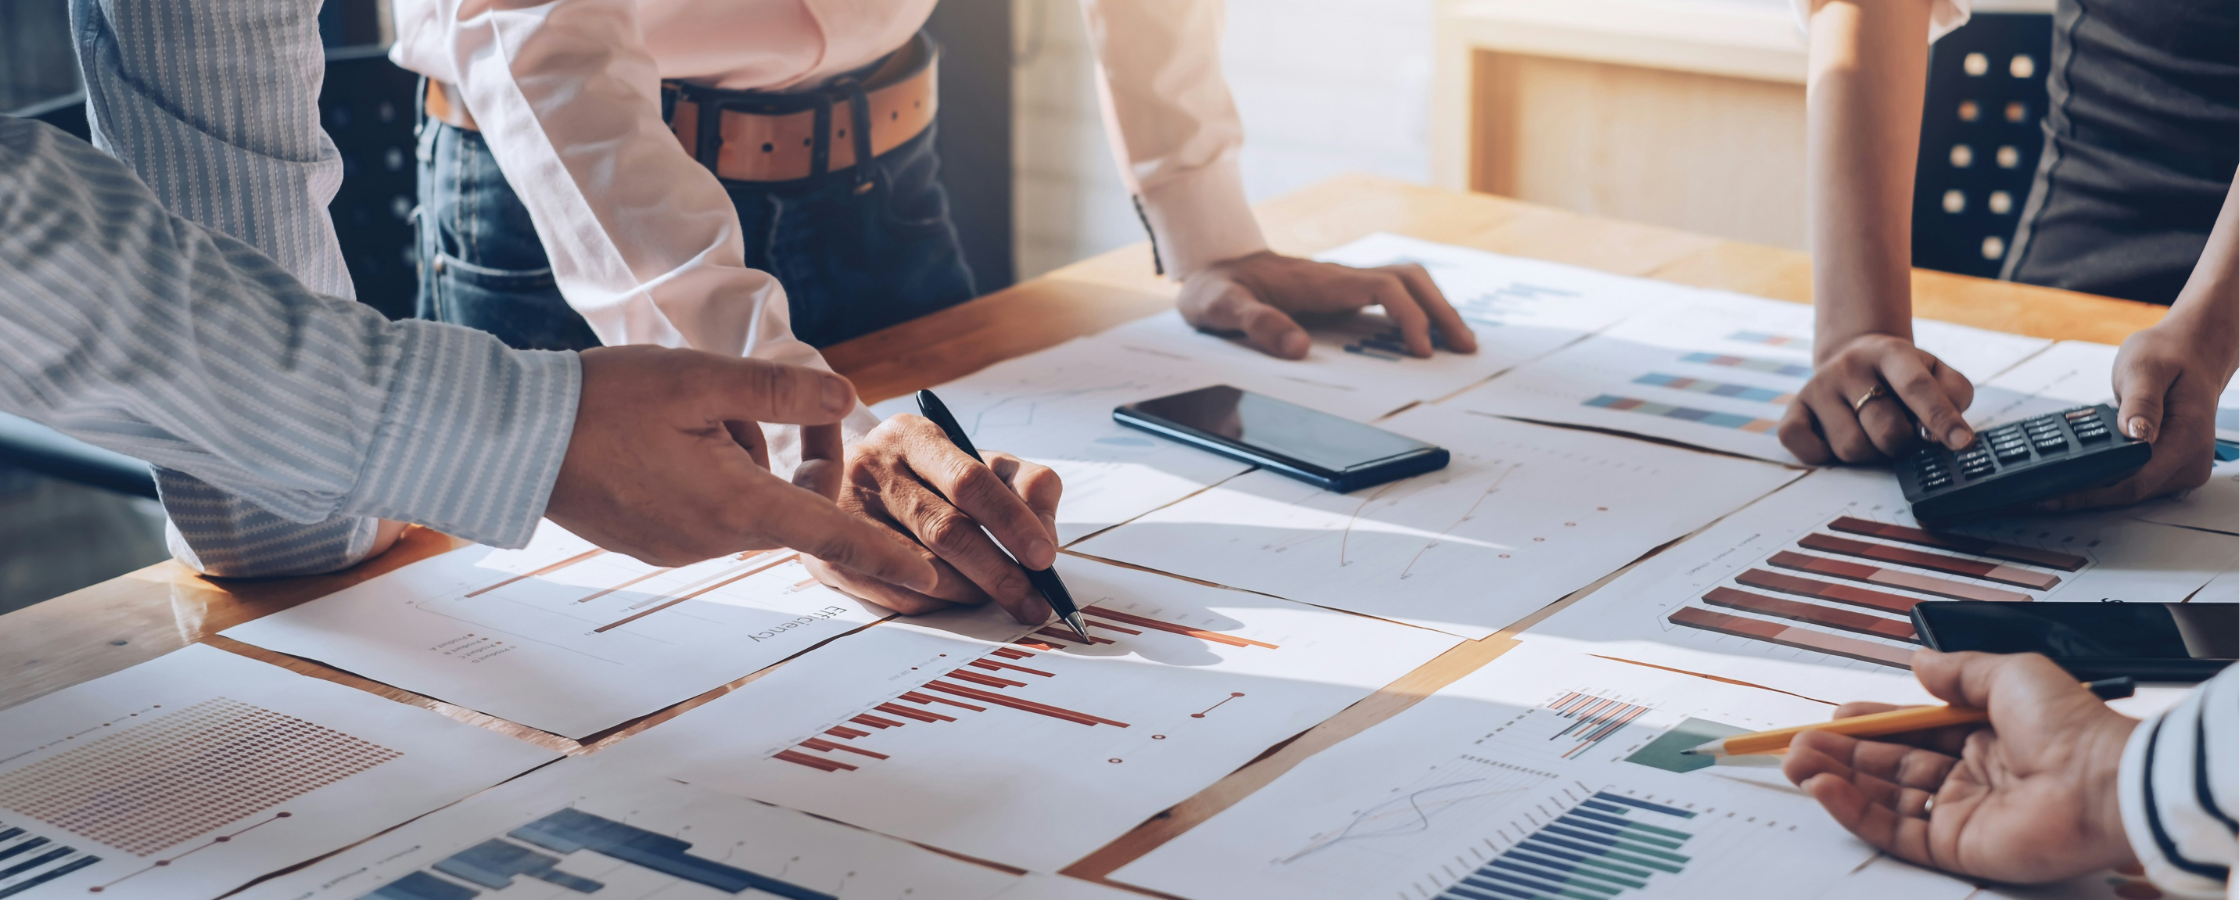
[
  {"x": 820, "y": 148},
  {"x": 859, "y": 116},
  {"x": 708, "y": 136}
]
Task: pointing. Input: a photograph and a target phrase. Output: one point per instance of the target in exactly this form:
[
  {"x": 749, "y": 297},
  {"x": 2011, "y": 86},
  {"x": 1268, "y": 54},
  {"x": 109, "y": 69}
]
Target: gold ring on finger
[{"x": 1869, "y": 397}]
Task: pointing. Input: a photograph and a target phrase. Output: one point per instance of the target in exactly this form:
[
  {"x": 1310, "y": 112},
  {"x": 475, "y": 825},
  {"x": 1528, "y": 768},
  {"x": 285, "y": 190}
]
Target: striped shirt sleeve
[
  {"x": 139, "y": 331},
  {"x": 215, "y": 107},
  {"x": 2177, "y": 790}
]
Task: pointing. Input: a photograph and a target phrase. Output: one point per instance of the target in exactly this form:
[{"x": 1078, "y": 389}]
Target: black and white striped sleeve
[{"x": 2178, "y": 786}]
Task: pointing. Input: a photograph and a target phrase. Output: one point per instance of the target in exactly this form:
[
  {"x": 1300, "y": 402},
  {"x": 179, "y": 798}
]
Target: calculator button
[
  {"x": 2011, "y": 454},
  {"x": 2053, "y": 446},
  {"x": 2091, "y": 435},
  {"x": 1930, "y": 484},
  {"x": 1977, "y": 470}
]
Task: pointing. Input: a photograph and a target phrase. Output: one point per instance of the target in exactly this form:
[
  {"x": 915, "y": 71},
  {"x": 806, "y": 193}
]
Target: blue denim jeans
[{"x": 852, "y": 261}]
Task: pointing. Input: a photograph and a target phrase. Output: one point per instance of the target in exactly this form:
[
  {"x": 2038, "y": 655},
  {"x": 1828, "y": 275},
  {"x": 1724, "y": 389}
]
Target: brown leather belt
[{"x": 773, "y": 137}]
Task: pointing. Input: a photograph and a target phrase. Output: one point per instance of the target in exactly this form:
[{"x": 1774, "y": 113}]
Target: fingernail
[
  {"x": 1960, "y": 436},
  {"x": 1295, "y": 344},
  {"x": 838, "y": 396},
  {"x": 2138, "y": 428},
  {"x": 1041, "y": 549}
]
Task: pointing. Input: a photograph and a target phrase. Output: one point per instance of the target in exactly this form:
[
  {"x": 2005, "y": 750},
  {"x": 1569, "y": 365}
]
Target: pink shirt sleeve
[
  {"x": 1174, "y": 127},
  {"x": 644, "y": 242}
]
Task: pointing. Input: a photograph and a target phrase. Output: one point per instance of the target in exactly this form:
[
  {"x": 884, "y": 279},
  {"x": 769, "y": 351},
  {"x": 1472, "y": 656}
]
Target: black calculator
[{"x": 2018, "y": 463}]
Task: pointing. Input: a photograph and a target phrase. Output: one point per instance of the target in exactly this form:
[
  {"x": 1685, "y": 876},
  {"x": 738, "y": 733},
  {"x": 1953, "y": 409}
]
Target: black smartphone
[
  {"x": 1310, "y": 445},
  {"x": 2148, "y": 641}
]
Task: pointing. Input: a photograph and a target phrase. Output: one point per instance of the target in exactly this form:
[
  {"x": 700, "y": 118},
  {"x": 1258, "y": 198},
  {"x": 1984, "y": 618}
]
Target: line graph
[{"x": 1468, "y": 787}]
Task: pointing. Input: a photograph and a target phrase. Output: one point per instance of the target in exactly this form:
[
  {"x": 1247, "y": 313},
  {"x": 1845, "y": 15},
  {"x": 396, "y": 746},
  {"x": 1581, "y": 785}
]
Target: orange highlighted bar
[
  {"x": 908, "y": 713},
  {"x": 1039, "y": 645},
  {"x": 799, "y": 758},
  {"x": 1821, "y": 590},
  {"x": 1788, "y": 636},
  {"x": 1935, "y": 562},
  {"x": 1851, "y": 571},
  {"x": 828, "y": 746},
  {"x": 1052, "y": 632},
  {"x": 996, "y": 666},
  {"x": 1009, "y": 653},
  {"x": 751, "y": 571},
  {"x": 843, "y": 731},
  {"x": 1838, "y": 619},
  {"x": 1108, "y": 626},
  {"x": 989, "y": 680},
  {"x": 555, "y": 567},
  {"x": 601, "y": 593},
  {"x": 875, "y": 721},
  {"x": 1172, "y": 628},
  {"x": 2051, "y": 559},
  {"x": 1022, "y": 705},
  {"x": 916, "y": 697}
]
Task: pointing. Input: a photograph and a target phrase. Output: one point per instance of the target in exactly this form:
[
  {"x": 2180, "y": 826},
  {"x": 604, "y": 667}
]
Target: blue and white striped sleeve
[
  {"x": 133, "y": 329},
  {"x": 215, "y": 107},
  {"x": 2177, "y": 790}
]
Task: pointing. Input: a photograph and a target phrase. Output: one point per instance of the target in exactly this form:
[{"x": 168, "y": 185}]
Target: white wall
[{"x": 1324, "y": 86}]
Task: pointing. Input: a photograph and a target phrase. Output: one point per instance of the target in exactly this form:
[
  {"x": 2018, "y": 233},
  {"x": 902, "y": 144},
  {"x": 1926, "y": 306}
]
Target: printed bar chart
[
  {"x": 1752, "y": 364},
  {"x": 1951, "y": 565},
  {"x": 2051, "y": 559},
  {"x": 1615, "y": 403},
  {"x": 1715, "y": 388},
  {"x": 1821, "y": 590},
  {"x": 1598, "y": 849},
  {"x": 1595, "y": 719},
  {"x": 1898, "y": 578},
  {"x": 1790, "y": 636},
  {"x": 1838, "y": 619},
  {"x": 1770, "y": 340}
]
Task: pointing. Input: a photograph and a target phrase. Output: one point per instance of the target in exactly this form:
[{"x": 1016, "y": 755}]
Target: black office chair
[
  {"x": 1980, "y": 141},
  {"x": 367, "y": 107}
]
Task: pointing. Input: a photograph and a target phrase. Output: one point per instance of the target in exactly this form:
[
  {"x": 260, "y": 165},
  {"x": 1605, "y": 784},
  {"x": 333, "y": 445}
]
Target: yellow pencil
[{"x": 1896, "y": 721}]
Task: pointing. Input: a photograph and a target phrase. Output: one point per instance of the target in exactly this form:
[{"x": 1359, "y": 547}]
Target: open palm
[{"x": 2029, "y": 797}]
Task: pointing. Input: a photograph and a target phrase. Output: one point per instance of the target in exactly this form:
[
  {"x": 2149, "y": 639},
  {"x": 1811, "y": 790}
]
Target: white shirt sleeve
[
  {"x": 1174, "y": 127},
  {"x": 2177, "y": 789},
  {"x": 1944, "y": 15},
  {"x": 643, "y": 239}
]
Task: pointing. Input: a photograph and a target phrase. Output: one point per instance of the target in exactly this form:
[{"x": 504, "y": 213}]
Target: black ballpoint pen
[{"x": 1045, "y": 580}]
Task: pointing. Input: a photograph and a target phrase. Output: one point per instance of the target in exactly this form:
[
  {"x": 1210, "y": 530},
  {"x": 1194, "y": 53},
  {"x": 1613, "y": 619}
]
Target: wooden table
[{"x": 131, "y": 619}]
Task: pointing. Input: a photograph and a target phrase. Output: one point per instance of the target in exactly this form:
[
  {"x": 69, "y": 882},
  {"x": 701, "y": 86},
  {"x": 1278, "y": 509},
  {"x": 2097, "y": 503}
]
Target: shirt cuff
[
  {"x": 1201, "y": 218},
  {"x": 472, "y": 437},
  {"x": 2155, "y": 775}
]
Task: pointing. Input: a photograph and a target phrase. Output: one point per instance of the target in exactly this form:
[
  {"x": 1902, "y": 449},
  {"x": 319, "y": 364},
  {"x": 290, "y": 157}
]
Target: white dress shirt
[{"x": 643, "y": 240}]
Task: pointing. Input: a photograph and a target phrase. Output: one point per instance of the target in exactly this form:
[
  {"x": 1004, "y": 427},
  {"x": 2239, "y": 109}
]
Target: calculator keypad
[{"x": 2009, "y": 445}]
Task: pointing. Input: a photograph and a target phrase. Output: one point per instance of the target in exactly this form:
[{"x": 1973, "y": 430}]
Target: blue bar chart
[{"x": 1605, "y": 846}]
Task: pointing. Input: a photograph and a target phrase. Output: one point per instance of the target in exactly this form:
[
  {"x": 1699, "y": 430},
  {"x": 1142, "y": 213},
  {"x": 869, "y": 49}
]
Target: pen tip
[{"x": 1688, "y": 752}]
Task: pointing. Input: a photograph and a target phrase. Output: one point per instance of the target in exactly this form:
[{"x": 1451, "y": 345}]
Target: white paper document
[
  {"x": 1543, "y": 774},
  {"x": 1055, "y": 408},
  {"x": 2078, "y": 373},
  {"x": 1809, "y": 590},
  {"x": 1521, "y": 516},
  {"x": 1716, "y": 373},
  {"x": 1358, "y": 368},
  {"x": 192, "y": 774},
  {"x": 561, "y": 635},
  {"x": 585, "y": 829},
  {"x": 1015, "y": 744}
]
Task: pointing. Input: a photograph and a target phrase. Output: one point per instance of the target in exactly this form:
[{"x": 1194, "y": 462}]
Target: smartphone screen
[
  {"x": 1260, "y": 422},
  {"x": 2205, "y": 631}
]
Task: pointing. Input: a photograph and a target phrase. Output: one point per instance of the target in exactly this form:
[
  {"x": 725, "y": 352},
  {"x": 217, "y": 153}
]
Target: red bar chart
[{"x": 1778, "y": 604}]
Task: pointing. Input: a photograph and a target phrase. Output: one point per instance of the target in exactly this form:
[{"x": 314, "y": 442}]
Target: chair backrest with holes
[
  {"x": 1980, "y": 140},
  {"x": 366, "y": 105}
]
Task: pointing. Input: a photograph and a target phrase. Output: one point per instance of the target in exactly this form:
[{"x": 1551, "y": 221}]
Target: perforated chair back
[
  {"x": 1981, "y": 136},
  {"x": 367, "y": 107}
]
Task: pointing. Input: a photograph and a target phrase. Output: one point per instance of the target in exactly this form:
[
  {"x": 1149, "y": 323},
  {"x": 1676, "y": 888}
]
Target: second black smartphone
[
  {"x": 2146, "y": 641},
  {"x": 1310, "y": 445}
]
